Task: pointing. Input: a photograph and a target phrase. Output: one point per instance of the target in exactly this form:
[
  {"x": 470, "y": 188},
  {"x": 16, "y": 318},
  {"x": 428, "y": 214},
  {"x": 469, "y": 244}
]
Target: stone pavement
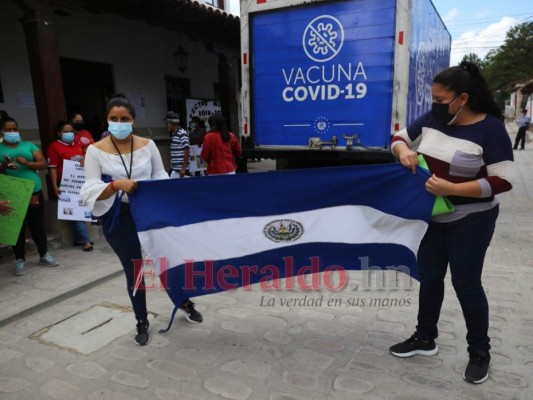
[{"x": 69, "y": 345}]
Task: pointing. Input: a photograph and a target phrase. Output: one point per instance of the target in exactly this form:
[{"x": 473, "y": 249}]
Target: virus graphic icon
[{"x": 323, "y": 38}]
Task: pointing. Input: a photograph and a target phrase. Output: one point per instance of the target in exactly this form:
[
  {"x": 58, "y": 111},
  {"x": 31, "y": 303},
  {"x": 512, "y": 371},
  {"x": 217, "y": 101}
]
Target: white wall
[
  {"x": 14, "y": 66},
  {"x": 140, "y": 55}
]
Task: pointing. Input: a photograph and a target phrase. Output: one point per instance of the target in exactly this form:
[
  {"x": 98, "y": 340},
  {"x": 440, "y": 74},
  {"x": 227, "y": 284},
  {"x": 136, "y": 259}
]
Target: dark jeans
[
  {"x": 520, "y": 137},
  {"x": 35, "y": 221},
  {"x": 125, "y": 243},
  {"x": 463, "y": 245}
]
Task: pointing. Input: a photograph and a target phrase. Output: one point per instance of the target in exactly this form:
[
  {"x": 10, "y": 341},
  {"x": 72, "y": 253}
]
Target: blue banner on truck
[
  {"x": 323, "y": 70},
  {"x": 429, "y": 54}
]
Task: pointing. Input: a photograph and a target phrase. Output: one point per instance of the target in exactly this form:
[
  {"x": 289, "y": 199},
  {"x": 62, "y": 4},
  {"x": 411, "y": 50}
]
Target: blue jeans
[
  {"x": 80, "y": 232},
  {"x": 125, "y": 243},
  {"x": 462, "y": 244}
]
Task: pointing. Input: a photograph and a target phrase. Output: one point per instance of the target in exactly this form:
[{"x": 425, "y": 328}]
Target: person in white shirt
[
  {"x": 523, "y": 124},
  {"x": 113, "y": 166}
]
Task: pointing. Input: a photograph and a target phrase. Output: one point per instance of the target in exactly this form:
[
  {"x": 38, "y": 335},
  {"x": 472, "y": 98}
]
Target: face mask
[
  {"x": 193, "y": 126},
  {"x": 120, "y": 130},
  {"x": 440, "y": 112},
  {"x": 68, "y": 137},
  {"x": 12, "y": 137},
  {"x": 78, "y": 126}
]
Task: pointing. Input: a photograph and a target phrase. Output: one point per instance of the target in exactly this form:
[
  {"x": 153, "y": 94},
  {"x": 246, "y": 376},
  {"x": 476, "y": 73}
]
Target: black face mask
[
  {"x": 78, "y": 126},
  {"x": 440, "y": 112}
]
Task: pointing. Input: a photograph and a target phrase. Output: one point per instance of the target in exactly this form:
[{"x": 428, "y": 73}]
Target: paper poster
[
  {"x": 138, "y": 99},
  {"x": 196, "y": 163},
  {"x": 70, "y": 206},
  {"x": 18, "y": 192},
  {"x": 25, "y": 100}
]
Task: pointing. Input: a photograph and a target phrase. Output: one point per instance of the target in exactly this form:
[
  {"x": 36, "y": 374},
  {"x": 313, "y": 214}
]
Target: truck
[{"x": 328, "y": 82}]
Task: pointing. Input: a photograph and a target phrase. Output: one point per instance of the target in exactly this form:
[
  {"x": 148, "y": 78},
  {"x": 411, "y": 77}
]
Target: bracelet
[{"x": 113, "y": 186}]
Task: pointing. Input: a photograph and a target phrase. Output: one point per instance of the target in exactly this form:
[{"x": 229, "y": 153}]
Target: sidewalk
[{"x": 66, "y": 333}]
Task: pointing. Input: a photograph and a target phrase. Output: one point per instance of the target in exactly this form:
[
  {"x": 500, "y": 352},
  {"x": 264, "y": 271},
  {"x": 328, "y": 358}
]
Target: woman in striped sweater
[{"x": 469, "y": 153}]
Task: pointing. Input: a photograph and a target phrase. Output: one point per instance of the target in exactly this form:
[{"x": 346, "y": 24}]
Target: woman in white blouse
[{"x": 113, "y": 166}]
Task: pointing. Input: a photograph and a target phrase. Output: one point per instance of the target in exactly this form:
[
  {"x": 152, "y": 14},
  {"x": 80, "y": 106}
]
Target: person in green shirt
[{"x": 23, "y": 160}]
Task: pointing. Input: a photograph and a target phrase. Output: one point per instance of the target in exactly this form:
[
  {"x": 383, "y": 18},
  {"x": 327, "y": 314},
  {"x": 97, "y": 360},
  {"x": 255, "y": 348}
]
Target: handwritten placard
[
  {"x": 70, "y": 206},
  {"x": 18, "y": 192},
  {"x": 196, "y": 162}
]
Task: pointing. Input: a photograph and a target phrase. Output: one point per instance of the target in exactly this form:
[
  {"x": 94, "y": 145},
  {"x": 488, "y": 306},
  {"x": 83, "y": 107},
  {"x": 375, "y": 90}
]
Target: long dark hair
[
  {"x": 467, "y": 78},
  {"x": 119, "y": 100},
  {"x": 218, "y": 123}
]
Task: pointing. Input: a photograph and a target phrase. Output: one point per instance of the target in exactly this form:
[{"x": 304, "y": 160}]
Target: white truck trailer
[{"x": 328, "y": 82}]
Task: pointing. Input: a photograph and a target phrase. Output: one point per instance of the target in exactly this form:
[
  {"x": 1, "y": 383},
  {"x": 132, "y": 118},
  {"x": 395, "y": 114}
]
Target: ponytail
[{"x": 467, "y": 78}]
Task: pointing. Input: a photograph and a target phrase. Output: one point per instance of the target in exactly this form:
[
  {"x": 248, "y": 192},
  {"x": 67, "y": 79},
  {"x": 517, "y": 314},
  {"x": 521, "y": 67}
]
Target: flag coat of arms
[{"x": 220, "y": 232}]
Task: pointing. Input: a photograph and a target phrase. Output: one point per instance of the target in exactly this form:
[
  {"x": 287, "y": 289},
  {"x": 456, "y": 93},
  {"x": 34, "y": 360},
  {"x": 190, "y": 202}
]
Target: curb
[{"x": 59, "y": 298}]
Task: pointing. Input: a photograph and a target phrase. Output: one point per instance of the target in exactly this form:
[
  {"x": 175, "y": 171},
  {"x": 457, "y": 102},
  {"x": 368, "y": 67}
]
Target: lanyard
[{"x": 128, "y": 174}]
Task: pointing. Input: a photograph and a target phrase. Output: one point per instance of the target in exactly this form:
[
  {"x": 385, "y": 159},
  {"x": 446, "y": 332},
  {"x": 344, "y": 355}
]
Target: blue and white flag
[{"x": 220, "y": 232}]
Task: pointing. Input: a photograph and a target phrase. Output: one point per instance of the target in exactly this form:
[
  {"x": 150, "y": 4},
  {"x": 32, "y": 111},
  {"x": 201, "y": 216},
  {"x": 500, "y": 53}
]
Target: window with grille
[{"x": 178, "y": 89}]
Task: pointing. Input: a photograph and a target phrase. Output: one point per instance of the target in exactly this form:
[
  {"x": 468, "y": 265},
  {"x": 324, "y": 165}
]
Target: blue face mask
[
  {"x": 12, "y": 137},
  {"x": 120, "y": 130},
  {"x": 68, "y": 137}
]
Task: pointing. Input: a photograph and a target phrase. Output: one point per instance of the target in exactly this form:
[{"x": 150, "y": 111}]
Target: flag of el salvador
[{"x": 286, "y": 219}]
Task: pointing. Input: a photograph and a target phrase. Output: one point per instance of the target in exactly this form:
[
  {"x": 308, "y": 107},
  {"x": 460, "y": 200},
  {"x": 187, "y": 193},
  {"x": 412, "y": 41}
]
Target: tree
[
  {"x": 513, "y": 61},
  {"x": 473, "y": 58}
]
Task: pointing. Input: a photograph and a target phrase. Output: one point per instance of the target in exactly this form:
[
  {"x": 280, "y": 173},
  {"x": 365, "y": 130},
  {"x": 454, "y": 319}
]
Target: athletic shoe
[
  {"x": 414, "y": 347},
  {"x": 142, "y": 338},
  {"x": 190, "y": 312},
  {"x": 477, "y": 370},
  {"x": 20, "y": 267},
  {"x": 48, "y": 260}
]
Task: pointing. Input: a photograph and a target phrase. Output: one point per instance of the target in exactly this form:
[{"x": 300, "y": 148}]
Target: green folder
[{"x": 442, "y": 204}]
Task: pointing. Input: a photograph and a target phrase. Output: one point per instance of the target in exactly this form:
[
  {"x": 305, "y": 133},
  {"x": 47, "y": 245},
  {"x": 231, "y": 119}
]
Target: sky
[{"x": 476, "y": 26}]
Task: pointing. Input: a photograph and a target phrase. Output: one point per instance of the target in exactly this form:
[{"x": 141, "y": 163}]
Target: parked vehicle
[{"x": 328, "y": 82}]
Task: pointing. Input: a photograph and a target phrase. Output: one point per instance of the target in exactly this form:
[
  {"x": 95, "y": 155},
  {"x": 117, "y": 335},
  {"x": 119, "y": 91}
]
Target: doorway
[{"x": 88, "y": 86}]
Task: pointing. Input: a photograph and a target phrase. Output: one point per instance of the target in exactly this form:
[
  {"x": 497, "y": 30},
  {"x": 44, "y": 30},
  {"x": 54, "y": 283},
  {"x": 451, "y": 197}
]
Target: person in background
[
  {"x": 197, "y": 131},
  {"x": 220, "y": 147},
  {"x": 22, "y": 160},
  {"x": 123, "y": 159},
  {"x": 179, "y": 146},
  {"x": 65, "y": 149},
  {"x": 465, "y": 144},
  {"x": 523, "y": 124},
  {"x": 82, "y": 137}
]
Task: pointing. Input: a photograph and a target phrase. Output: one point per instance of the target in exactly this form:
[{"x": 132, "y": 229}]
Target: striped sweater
[{"x": 460, "y": 153}]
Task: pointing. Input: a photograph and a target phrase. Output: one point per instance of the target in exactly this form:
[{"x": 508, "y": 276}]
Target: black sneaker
[
  {"x": 142, "y": 337},
  {"x": 190, "y": 313},
  {"x": 477, "y": 370},
  {"x": 414, "y": 347}
]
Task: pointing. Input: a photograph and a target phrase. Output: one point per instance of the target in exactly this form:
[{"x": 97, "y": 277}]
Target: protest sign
[
  {"x": 18, "y": 192},
  {"x": 70, "y": 206}
]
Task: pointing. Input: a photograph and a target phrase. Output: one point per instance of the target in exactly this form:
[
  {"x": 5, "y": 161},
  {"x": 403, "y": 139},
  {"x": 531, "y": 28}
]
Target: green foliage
[
  {"x": 473, "y": 58},
  {"x": 513, "y": 61}
]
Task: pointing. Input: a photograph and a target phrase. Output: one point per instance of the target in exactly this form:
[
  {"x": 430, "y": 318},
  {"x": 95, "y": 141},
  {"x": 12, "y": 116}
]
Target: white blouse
[{"x": 147, "y": 165}]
